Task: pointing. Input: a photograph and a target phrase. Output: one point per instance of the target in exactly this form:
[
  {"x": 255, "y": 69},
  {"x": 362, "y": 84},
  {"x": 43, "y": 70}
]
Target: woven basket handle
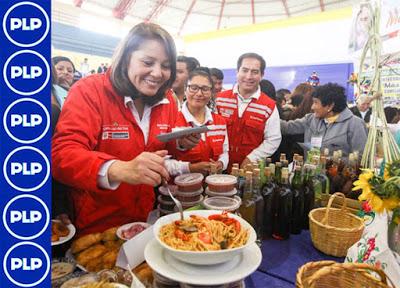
[
  {"x": 328, "y": 207},
  {"x": 352, "y": 267}
]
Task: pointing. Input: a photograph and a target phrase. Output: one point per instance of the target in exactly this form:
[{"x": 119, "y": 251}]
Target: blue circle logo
[
  {"x": 26, "y": 169},
  {"x": 26, "y": 264},
  {"x": 26, "y": 24},
  {"x": 26, "y": 120},
  {"x": 26, "y": 72},
  {"x": 26, "y": 217}
]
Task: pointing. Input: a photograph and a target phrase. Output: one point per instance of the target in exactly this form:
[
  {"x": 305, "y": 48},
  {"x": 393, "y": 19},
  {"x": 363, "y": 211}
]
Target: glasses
[{"x": 204, "y": 89}]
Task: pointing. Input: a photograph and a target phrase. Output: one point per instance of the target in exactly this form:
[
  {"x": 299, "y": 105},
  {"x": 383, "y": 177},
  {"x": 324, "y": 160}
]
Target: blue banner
[{"x": 25, "y": 180}]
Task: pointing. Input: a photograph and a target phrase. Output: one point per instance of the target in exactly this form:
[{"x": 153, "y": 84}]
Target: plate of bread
[
  {"x": 96, "y": 251},
  {"x": 61, "y": 233}
]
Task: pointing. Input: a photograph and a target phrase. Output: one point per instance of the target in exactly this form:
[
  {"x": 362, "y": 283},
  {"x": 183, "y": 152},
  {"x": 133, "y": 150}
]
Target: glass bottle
[
  {"x": 259, "y": 200},
  {"x": 298, "y": 202},
  {"x": 235, "y": 173},
  {"x": 317, "y": 186},
  {"x": 268, "y": 161},
  {"x": 261, "y": 166},
  {"x": 248, "y": 208},
  {"x": 308, "y": 195},
  {"x": 282, "y": 219},
  {"x": 278, "y": 172},
  {"x": 241, "y": 183},
  {"x": 282, "y": 157},
  {"x": 269, "y": 208}
]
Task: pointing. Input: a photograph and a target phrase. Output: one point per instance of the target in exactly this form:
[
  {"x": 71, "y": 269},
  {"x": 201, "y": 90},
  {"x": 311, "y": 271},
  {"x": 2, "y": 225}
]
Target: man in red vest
[{"x": 251, "y": 116}]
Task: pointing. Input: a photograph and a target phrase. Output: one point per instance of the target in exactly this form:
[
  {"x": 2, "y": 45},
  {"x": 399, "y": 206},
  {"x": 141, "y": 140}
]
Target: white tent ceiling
[{"x": 183, "y": 17}]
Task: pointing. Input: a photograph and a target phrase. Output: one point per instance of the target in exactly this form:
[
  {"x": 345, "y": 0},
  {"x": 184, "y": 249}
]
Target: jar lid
[
  {"x": 222, "y": 203},
  {"x": 189, "y": 179},
  {"x": 221, "y": 180},
  {"x": 189, "y": 204},
  {"x": 172, "y": 188},
  {"x": 160, "y": 200},
  {"x": 226, "y": 194},
  {"x": 165, "y": 211},
  {"x": 188, "y": 194}
]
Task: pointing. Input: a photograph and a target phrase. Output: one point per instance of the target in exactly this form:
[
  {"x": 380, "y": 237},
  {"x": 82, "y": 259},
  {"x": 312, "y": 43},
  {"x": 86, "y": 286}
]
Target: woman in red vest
[
  {"x": 105, "y": 147},
  {"x": 213, "y": 146}
]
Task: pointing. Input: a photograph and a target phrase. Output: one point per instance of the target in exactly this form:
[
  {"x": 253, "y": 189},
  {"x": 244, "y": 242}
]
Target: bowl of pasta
[{"x": 204, "y": 237}]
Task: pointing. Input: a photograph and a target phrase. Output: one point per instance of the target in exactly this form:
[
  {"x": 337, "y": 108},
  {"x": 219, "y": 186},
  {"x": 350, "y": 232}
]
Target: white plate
[
  {"x": 62, "y": 240},
  {"x": 126, "y": 226},
  {"x": 234, "y": 270}
]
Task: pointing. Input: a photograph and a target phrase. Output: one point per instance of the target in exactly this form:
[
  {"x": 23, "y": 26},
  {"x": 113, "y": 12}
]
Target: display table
[{"x": 282, "y": 259}]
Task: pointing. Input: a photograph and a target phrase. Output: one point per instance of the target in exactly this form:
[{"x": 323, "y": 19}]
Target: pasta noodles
[{"x": 204, "y": 234}]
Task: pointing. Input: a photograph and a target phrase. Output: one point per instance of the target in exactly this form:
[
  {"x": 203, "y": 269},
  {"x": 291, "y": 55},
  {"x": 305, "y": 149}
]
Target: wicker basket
[
  {"x": 334, "y": 230},
  {"x": 328, "y": 274}
]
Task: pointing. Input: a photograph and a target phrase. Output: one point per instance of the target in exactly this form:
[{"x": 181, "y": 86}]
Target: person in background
[
  {"x": 332, "y": 125},
  {"x": 363, "y": 108},
  {"x": 100, "y": 69},
  {"x": 304, "y": 92},
  {"x": 213, "y": 146},
  {"x": 280, "y": 98},
  {"x": 85, "y": 67},
  {"x": 58, "y": 93},
  {"x": 268, "y": 88},
  {"x": 252, "y": 117},
  {"x": 184, "y": 65},
  {"x": 217, "y": 77},
  {"x": 65, "y": 71},
  {"x": 105, "y": 146}
]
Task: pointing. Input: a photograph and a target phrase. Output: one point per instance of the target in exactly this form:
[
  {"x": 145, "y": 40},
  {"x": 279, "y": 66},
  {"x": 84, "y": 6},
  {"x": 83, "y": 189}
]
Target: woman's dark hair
[
  {"x": 268, "y": 88},
  {"x": 390, "y": 113},
  {"x": 57, "y": 59},
  {"x": 296, "y": 100},
  {"x": 331, "y": 93},
  {"x": 204, "y": 72},
  {"x": 303, "y": 91},
  {"x": 122, "y": 56}
]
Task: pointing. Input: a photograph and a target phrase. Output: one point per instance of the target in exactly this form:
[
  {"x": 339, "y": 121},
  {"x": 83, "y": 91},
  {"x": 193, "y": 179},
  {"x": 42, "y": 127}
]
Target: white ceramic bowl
[{"x": 203, "y": 257}]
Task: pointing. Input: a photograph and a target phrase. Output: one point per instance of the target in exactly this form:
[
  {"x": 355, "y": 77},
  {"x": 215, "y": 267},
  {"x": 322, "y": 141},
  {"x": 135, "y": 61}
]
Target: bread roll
[
  {"x": 85, "y": 242},
  {"x": 91, "y": 253},
  {"x": 110, "y": 234}
]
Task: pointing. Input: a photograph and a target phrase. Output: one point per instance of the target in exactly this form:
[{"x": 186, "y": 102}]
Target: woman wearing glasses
[{"x": 213, "y": 146}]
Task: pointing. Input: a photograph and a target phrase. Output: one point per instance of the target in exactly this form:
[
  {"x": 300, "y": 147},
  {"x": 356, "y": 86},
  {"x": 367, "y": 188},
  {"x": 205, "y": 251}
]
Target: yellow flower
[
  {"x": 362, "y": 182},
  {"x": 386, "y": 175},
  {"x": 377, "y": 204}
]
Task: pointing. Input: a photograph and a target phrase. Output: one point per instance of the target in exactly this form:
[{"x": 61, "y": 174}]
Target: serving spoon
[{"x": 176, "y": 201}]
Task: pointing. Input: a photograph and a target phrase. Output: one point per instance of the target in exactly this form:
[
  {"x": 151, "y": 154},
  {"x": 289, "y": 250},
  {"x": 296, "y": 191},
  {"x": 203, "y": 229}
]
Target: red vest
[
  {"x": 211, "y": 148},
  {"x": 245, "y": 133},
  {"x": 95, "y": 126}
]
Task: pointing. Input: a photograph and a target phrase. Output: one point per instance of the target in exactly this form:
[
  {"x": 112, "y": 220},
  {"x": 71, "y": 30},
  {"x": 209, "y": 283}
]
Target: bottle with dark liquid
[
  {"x": 248, "y": 208},
  {"x": 259, "y": 200},
  {"x": 269, "y": 209},
  {"x": 241, "y": 183},
  {"x": 261, "y": 166},
  {"x": 308, "y": 195},
  {"x": 298, "y": 202},
  {"x": 282, "y": 221}
]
